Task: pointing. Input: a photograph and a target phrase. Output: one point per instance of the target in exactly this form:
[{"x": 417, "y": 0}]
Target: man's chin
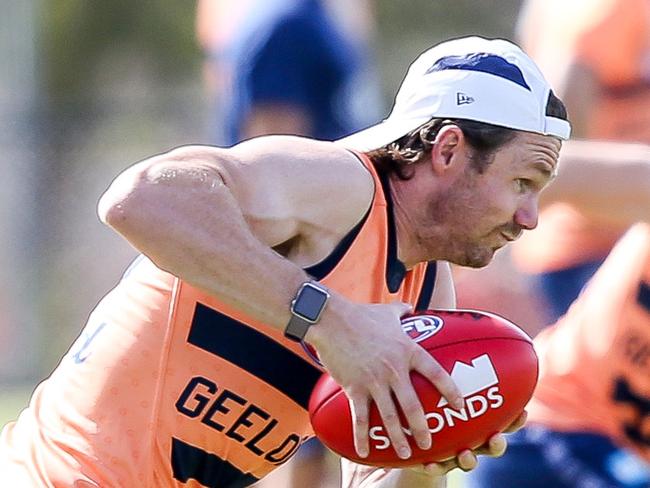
[{"x": 479, "y": 258}]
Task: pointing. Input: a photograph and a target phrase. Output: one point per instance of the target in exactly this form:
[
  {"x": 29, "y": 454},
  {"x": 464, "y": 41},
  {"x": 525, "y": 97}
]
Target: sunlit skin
[{"x": 495, "y": 206}]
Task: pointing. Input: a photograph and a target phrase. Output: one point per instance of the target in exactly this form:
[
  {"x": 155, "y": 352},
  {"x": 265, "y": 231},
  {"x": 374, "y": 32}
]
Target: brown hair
[{"x": 399, "y": 156}]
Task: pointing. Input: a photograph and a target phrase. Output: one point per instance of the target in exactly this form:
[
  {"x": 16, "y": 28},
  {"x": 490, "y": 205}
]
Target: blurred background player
[{"x": 300, "y": 67}]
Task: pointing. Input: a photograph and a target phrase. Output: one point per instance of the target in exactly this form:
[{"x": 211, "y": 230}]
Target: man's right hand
[{"x": 365, "y": 350}]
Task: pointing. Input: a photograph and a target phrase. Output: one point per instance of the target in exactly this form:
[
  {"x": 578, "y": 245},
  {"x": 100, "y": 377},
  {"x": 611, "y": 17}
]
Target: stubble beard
[{"x": 462, "y": 246}]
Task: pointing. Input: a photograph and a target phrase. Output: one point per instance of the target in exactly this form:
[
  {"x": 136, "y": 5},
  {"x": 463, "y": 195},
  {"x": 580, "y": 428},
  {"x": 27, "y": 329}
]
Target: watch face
[{"x": 310, "y": 302}]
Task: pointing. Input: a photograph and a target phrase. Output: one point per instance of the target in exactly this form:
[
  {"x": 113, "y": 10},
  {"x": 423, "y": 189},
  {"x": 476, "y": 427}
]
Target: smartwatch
[{"x": 306, "y": 309}]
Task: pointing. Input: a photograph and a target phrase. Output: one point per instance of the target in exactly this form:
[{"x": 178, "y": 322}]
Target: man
[{"x": 193, "y": 371}]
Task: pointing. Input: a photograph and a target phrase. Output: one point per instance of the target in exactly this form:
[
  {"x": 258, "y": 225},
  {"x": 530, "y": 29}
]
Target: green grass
[{"x": 12, "y": 400}]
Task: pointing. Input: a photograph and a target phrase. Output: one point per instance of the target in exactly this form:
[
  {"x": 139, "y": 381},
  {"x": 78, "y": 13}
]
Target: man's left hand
[{"x": 467, "y": 460}]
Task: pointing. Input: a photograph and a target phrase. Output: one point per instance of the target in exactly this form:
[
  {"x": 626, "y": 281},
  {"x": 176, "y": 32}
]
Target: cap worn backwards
[{"x": 490, "y": 81}]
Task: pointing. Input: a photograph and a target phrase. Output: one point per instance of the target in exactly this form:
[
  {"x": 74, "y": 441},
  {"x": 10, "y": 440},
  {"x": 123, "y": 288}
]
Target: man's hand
[
  {"x": 467, "y": 460},
  {"x": 429, "y": 476},
  {"x": 365, "y": 350}
]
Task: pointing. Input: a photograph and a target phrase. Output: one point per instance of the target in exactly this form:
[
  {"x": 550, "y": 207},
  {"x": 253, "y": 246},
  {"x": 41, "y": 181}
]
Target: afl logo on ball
[{"x": 421, "y": 327}]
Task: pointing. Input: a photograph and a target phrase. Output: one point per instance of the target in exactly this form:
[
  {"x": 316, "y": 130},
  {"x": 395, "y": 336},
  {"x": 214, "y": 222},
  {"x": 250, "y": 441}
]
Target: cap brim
[
  {"x": 381, "y": 134},
  {"x": 389, "y": 130}
]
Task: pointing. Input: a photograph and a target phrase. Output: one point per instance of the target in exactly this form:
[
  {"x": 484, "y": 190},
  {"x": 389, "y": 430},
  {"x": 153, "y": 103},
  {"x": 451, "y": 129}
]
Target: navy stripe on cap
[
  {"x": 254, "y": 352},
  {"x": 189, "y": 462},
  {"x": 483, "y": 62}
]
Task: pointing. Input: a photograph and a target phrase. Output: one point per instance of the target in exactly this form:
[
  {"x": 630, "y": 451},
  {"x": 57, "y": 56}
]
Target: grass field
[{"x": 12, "y": 400}]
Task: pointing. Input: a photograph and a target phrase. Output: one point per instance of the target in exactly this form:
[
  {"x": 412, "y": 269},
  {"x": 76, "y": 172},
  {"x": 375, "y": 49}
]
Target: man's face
[{"x": 481, "y": 212}]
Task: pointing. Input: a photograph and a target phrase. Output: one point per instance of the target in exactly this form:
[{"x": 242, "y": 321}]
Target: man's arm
[
  {"x": 607, "y": 181},
  {"x": 213, "y": 216}
]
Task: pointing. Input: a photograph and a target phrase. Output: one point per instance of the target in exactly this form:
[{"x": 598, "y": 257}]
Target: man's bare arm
[
  {"x": 212, "y": 216},
  {"x": 607, "y": 181}
]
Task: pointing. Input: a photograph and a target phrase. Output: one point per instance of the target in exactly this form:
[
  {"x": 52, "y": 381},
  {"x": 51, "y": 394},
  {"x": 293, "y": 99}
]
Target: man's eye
[{"x": 523, "y": 184}]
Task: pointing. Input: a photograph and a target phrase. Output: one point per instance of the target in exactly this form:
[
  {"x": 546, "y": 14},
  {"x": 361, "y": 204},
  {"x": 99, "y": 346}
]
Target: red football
[{"x": 491, "y": 360}]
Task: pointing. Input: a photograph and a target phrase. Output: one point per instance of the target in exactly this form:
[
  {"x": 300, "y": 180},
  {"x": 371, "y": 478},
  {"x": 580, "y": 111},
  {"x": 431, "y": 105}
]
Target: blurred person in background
[
  {"x": 301, "y": 67},
  {"x": 589, "y": 420}
]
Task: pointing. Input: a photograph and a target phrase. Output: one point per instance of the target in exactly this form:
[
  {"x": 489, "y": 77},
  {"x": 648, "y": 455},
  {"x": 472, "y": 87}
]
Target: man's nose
[{"x": 527, "y": 214}]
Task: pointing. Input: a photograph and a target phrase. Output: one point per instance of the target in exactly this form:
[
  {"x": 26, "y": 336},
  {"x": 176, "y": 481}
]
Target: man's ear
[{"x": 447, "y": 149}]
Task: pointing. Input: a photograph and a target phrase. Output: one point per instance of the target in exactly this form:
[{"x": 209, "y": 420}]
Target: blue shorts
[{"x": 541, "y": 458}]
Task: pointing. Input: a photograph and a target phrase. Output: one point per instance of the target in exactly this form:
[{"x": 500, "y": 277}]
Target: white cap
[{"x": 473, "y": 78}]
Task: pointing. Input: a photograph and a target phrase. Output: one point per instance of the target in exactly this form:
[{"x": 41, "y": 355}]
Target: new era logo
[
  {"x": 473, "y": 378},
  {"x": 463, "y": 98}
]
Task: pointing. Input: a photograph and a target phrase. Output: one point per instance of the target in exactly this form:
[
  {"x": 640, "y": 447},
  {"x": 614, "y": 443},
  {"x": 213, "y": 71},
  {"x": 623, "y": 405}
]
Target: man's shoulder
[
  {"x": 307, "y": 153},
  {"x": 316, "y": 182}
]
